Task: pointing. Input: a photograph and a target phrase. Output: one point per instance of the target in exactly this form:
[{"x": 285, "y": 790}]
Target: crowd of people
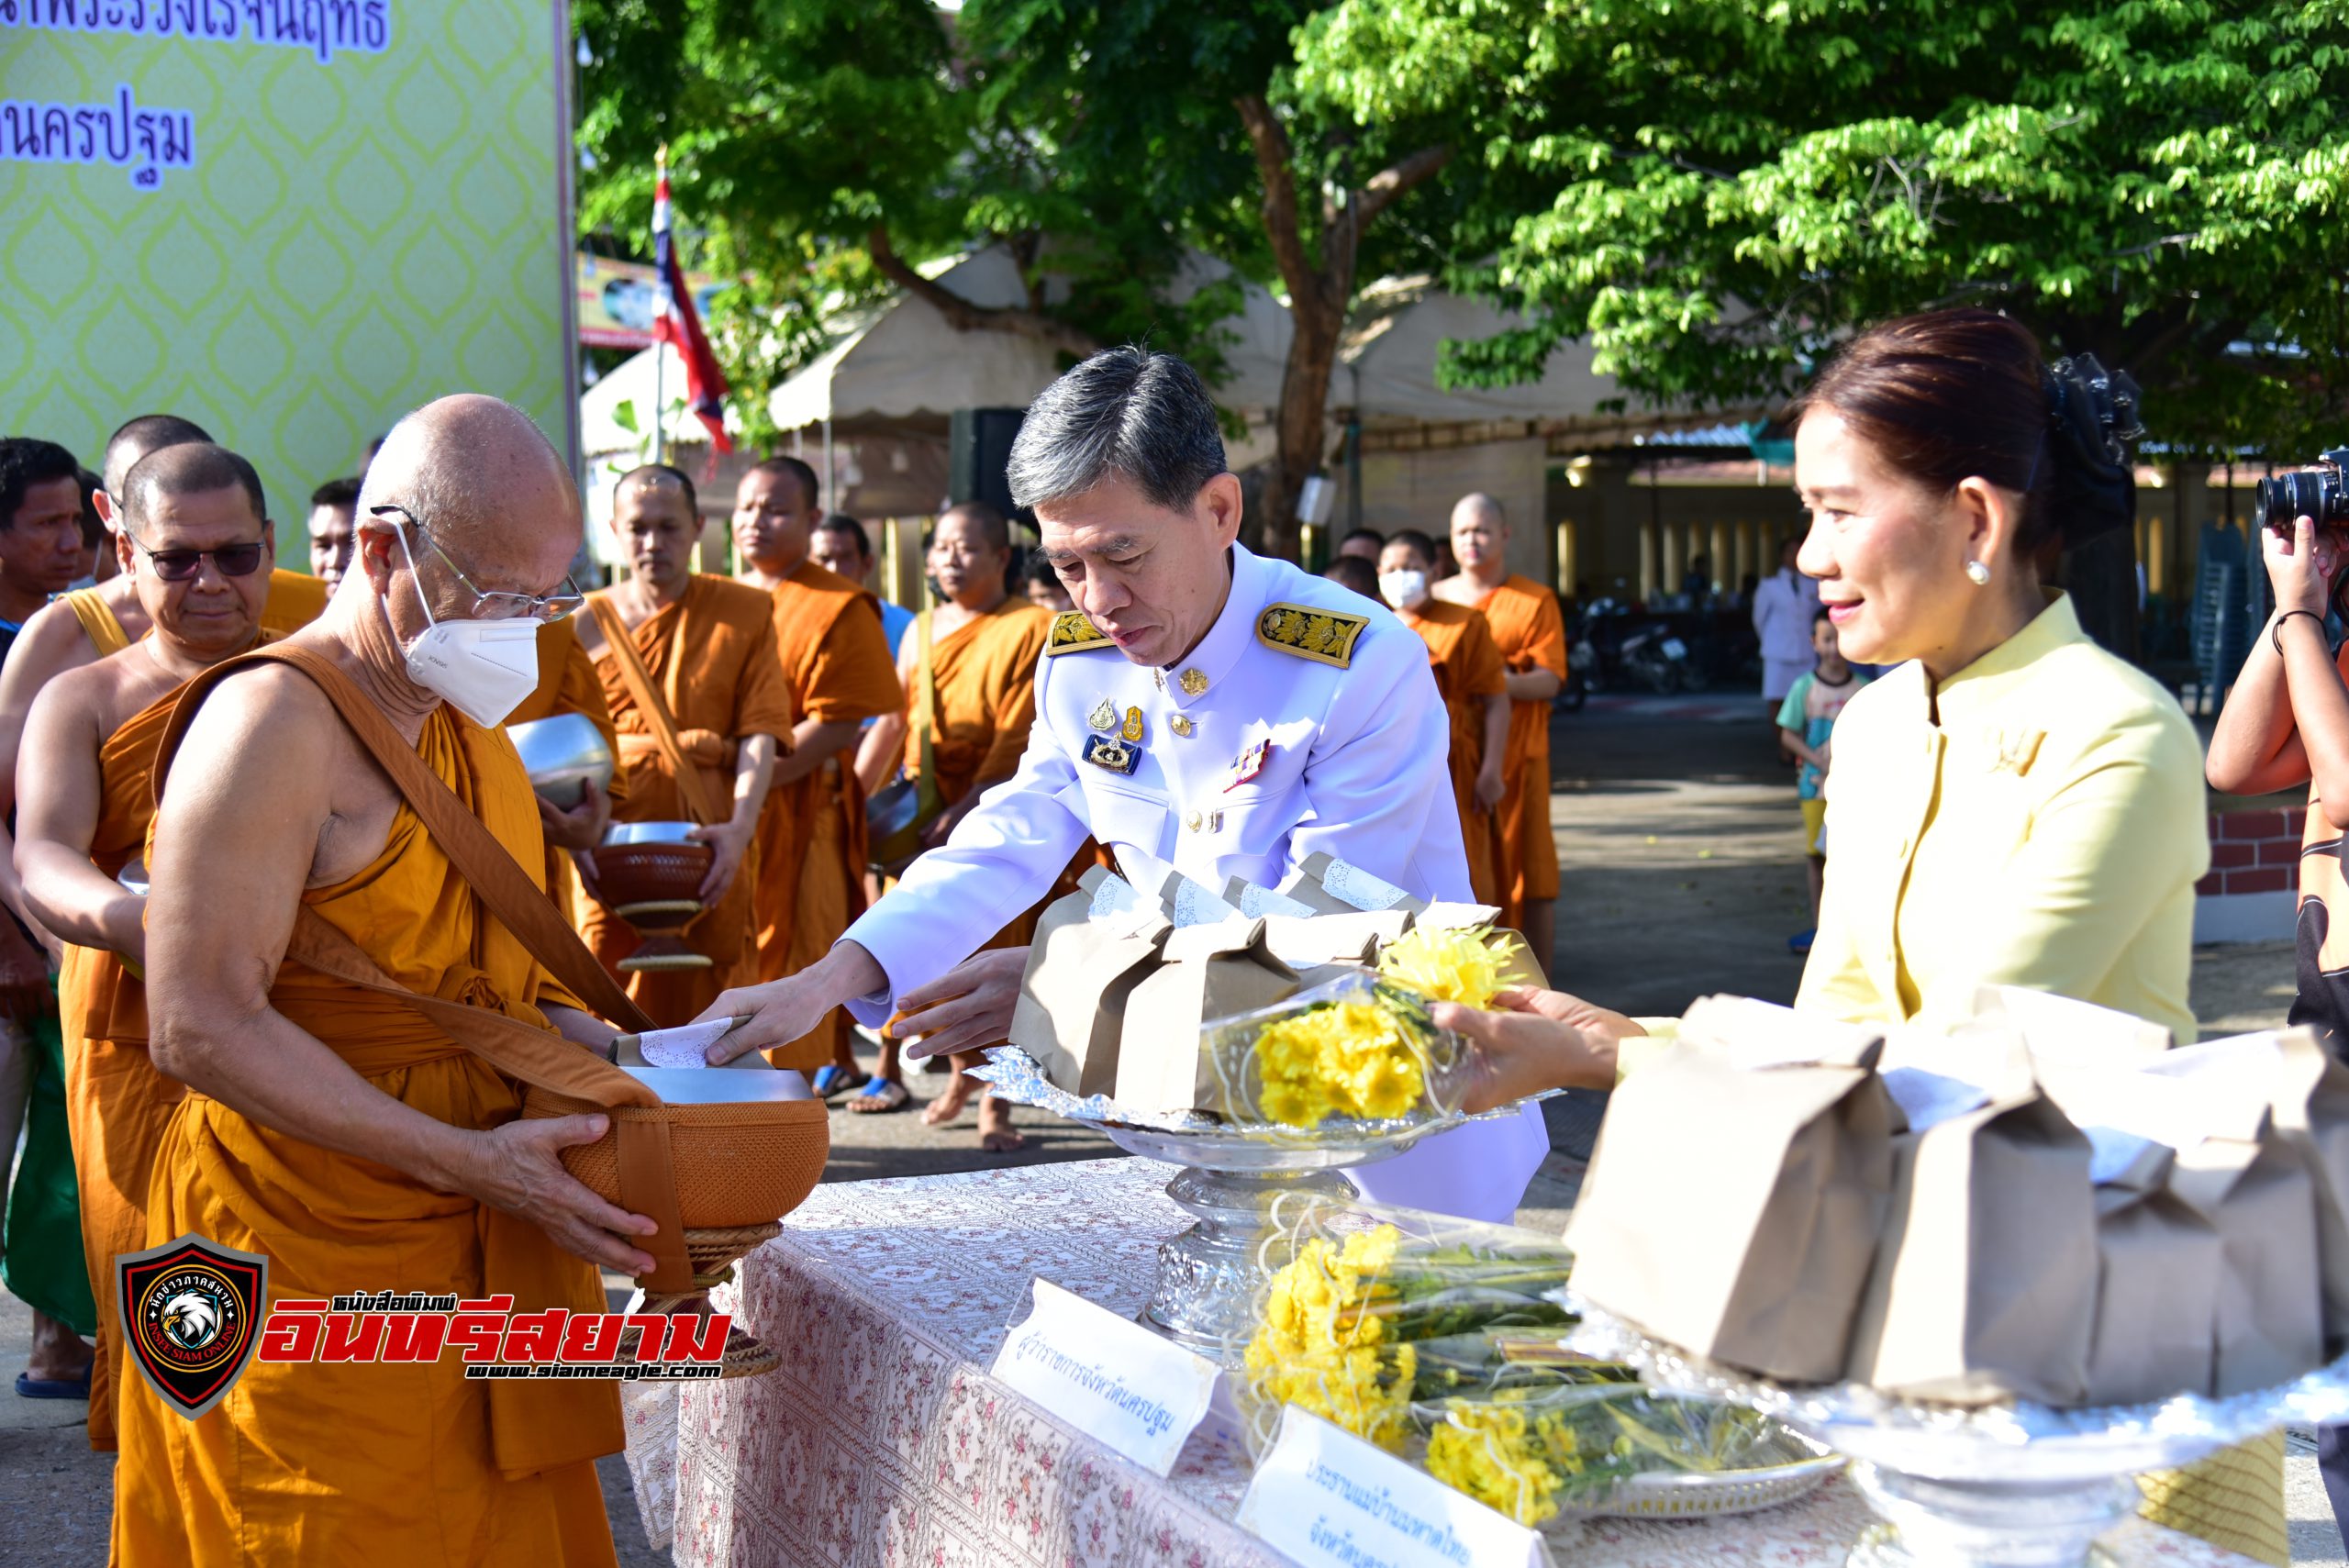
[{"x": 267, "y": 793}]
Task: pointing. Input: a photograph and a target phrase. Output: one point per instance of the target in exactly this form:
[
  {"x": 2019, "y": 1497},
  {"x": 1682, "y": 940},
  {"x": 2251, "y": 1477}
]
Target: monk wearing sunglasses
[{"x": 193, "y": 542}]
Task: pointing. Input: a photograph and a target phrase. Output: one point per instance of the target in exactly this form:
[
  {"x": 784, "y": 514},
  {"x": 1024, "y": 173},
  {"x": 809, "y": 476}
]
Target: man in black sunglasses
[{"x": 200, "y": 564}]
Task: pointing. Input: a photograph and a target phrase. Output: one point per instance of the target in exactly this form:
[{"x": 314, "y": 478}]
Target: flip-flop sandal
[
  {"x": 878, "y": 1096},
  {"x": 832, "y": 1079},
  {"x": 31, "y": 1387}
]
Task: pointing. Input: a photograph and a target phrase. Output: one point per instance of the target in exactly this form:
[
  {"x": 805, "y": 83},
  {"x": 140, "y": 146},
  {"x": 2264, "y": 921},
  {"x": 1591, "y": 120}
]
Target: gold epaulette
[
  {"x": 1072, "y": 633},
  {"x": 1310, "y": 632}
]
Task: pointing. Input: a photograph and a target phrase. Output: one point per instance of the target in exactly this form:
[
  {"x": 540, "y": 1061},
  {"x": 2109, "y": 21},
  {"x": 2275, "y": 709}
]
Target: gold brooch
[
  {"x": 1193, "y": 683},
  {"x": 1104, "y": 716},
  {"x": 1132, "y": 728}
]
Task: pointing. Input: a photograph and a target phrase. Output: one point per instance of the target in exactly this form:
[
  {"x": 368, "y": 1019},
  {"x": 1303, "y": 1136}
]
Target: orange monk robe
[
  {"x": 811, "y": 838},
  {"x": 986, "y": 673},
  {"x": 1531, "y": 635},
  {"x": 568, "y": 683},
  {"x": 1468, "y": 669},
  {"x": 376, "y": 1461},
  {"x": 117, "y": 1105},
  {"x": 712, "y": 657}
]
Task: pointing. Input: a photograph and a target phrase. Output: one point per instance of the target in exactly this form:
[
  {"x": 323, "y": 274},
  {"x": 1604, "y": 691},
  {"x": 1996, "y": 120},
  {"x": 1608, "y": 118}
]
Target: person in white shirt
[
  {"x": 1203, "y": 709},
  {"x": 1784, "y": 606}
]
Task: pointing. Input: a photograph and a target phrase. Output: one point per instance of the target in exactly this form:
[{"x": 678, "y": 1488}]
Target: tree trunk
[
  {"x": 1305, "y": 394},
  {"x": 1320, "y": 291}
]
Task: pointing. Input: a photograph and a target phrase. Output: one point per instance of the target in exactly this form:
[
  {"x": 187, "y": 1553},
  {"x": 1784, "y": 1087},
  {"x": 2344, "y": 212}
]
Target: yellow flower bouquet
[{"x": 1369, "y": 1311}]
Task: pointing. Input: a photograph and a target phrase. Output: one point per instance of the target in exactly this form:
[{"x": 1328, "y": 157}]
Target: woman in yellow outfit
[{"x": 2013, "y": 804}]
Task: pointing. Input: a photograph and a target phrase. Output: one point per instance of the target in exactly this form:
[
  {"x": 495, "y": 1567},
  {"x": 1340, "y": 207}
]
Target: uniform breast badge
[
  {"x": 1104, "y": 716},
  {"x": 1108, "y": 752},
  {"x": 1181, "y": 725},
  {"x": 1248, "y": 764},
  {"x": 1131, "y": 730}
]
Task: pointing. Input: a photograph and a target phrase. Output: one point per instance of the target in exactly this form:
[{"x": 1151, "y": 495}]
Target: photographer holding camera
[{"x": 2287, "y": 723}]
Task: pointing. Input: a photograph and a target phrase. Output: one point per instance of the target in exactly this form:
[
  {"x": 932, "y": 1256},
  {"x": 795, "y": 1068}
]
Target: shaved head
[
  {"x": 485, "y": 485},
  {"x": 1482, "y": 507},
  {"x": 660, "y": 477},
  {"x": 187, "y": 468},
  {"x": 136, "y": 439},
  {"x": 1355, "y": 574}
]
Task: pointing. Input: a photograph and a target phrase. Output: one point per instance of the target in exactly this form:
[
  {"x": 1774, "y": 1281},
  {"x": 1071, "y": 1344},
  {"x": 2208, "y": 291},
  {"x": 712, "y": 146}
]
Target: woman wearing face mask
[
  {"x": 1472, "y": 679},
  {"x": 2013, "y": 805}
]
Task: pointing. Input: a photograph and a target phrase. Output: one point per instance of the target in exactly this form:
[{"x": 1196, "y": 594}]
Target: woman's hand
[
  {"x": 2302, "y": 565},
  {"x": 1534, "y": 1040}
]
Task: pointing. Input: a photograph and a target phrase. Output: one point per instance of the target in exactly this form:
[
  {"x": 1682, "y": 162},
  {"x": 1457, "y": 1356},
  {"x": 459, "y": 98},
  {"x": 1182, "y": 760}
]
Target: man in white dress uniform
[{"x": 1204, "y": 710}]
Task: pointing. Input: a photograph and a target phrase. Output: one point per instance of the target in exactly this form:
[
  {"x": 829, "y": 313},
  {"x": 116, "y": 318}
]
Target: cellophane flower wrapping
[
  {"x": 1362, "y": 1047},
  {"x": 1369, "y": 1310},
  {"x": 1441, "y": 1340}
]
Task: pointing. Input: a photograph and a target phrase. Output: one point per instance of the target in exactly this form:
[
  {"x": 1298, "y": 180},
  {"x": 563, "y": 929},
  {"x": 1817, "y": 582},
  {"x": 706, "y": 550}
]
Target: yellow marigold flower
[
  {"x": 1484, "y": 1451},
  {"x": 1317, "y": 1347},
  {"x": 1446, "y": 965},
  {"x": 1349, "y": 1059}
]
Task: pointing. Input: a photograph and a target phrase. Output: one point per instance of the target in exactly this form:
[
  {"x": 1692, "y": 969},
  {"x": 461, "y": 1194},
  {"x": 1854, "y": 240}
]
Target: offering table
[{"x": 882, "y": 1441}]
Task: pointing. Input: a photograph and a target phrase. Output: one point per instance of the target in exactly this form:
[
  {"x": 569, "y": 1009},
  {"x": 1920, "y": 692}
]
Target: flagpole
[{"x": 659, "y": 347}]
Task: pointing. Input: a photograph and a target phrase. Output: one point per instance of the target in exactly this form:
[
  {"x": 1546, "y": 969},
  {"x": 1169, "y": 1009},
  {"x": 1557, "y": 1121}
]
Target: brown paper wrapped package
[
  {"x": 2270, "y": 1303},
  {"x": 1210, "y": 972},
  {"x": 1351, "y": 937},
  {"x": 1984, "y": 1286},
  {"x": 2158, "y": 1289},
  {"x": 1071, "y": 1012},
  {"x": 1732, "y": 1209},
  {"x": 1310, "y": 883},
  {"x": 2311, "y": 1111}
]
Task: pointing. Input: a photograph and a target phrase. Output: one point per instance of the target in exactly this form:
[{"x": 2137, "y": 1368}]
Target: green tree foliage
[
  {"x": 1709, "y": 191},
  {"x": 823, "y": 149}
]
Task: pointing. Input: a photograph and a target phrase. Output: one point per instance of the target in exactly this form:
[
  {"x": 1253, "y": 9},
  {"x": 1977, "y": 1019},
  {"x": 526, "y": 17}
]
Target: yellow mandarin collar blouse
[{"x": 2045, "y": 828}]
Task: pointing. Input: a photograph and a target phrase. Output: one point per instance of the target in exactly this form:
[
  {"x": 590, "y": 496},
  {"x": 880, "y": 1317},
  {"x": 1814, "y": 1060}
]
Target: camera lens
[{"x": 2288, "y": 497}]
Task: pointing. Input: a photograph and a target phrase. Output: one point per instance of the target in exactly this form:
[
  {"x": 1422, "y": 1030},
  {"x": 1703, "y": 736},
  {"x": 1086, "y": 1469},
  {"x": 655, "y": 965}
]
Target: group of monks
[
  {"x": 1498, "y": 641},
  {"x": 281, "y": 1095}
]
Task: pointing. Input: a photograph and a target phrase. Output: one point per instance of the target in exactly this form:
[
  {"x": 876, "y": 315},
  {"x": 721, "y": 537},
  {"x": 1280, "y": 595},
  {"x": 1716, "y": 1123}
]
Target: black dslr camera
[{"x": 2319, "y": 493}]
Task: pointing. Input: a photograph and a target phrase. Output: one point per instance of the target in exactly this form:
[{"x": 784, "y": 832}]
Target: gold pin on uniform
[
  {"x": 1104, "y": 716},
  {"x": 1181, "y": 725},
  {"x": 1192, "y": 822},
  {"x": 1193, "y": 683},
  {"x": 1131, "y": 730}
]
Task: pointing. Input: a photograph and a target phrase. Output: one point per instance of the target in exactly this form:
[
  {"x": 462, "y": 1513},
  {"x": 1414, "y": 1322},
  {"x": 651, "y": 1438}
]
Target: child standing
[{"x": 1806, "y": 719}]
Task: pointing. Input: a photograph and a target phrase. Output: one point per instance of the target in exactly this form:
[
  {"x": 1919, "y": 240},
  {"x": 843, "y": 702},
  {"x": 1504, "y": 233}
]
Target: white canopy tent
[{"x": 630, "y": 383}]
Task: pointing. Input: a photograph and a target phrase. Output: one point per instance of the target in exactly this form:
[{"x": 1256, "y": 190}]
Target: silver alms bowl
[
  {"x": 649, "y": 833},
  {"x": 565, "y": 757}
]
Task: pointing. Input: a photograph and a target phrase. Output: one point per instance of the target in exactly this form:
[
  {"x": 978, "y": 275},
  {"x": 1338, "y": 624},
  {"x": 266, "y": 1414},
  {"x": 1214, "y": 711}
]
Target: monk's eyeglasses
[
  {"x": 182, "y": 565},
  {"x": 491, "y": 604}
]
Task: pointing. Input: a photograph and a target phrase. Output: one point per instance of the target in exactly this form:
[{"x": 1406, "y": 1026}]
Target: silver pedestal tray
[
  {"x": 1235, "y": 1182},
  {"x": 2013, "y": 1485}
]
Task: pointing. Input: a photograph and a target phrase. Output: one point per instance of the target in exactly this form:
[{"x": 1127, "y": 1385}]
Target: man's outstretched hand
[
  {"x": 782, "y": 1011},
  {"x": 966, "y": 1008}
]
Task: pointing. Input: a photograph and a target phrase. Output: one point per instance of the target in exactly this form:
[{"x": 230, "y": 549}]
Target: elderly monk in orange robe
[
  {"x": 89, "y": 752},
  {"x": 1531, "y": 635},
  {"x": 568, "y": 683},
  {"x": 706, "y": 648},
  {"x": 1470, "y": 675},
  {"x": 976, "y": 699},
  {"x": 335, "y": 1130},
  {"x": 811, "y": 846}
]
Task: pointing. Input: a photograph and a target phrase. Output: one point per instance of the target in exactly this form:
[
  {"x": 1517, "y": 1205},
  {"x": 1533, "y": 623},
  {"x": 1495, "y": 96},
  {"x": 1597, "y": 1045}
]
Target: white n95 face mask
[
  {"x": 1404, "y": 590},
  {"x": 482, "y": 667}
]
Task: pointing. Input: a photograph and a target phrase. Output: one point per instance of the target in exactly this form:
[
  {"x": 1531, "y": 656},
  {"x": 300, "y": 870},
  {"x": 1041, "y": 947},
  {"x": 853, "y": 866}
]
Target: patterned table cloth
[{"x": 881, "y": 1441}]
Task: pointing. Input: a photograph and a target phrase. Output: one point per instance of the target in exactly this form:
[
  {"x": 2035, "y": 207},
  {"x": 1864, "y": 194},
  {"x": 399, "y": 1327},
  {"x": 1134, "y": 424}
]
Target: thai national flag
[{"x": 677, "y": 325}]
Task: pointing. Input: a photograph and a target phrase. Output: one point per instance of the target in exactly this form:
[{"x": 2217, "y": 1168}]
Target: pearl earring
[{"x": 1977, "y": 574}]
